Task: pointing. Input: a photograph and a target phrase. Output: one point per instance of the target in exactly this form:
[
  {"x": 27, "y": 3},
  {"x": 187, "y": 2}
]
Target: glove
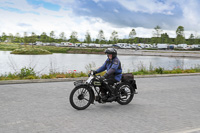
[
  {"x": 95, "y": 72},
  {"x": 103, "y": 77}
]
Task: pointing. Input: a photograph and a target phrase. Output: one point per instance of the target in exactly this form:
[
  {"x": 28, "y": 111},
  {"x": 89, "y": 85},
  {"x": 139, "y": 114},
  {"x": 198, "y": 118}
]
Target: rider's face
[{"x": 110, "y": 56}]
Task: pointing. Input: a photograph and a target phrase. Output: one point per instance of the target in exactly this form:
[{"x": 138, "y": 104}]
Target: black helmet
[{"x": 111, "y": 51}]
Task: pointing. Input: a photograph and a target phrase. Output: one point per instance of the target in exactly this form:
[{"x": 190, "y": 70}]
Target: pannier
[{"x": 129, "y": 77}]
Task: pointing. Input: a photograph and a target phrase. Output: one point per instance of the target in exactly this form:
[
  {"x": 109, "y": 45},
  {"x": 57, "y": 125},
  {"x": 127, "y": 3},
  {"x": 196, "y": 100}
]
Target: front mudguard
[{"x": 91, "y": 91}]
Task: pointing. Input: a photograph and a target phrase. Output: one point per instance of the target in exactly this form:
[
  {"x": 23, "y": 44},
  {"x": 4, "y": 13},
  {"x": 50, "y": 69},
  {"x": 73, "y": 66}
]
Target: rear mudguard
[
  {"x": 130, "y": 83},
  {"x": 91, "y": 91},
  {"x": 134, "y": 84}
]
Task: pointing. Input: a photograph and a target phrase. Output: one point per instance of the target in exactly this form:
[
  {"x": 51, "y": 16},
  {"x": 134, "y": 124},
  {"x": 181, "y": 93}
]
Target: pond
[{"x": 57, "y": 62}]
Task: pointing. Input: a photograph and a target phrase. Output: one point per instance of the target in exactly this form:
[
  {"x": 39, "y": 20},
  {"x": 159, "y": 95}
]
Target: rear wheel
[
  {"x": 80, "y": 97},
  {"x": 126, "y": 93}
]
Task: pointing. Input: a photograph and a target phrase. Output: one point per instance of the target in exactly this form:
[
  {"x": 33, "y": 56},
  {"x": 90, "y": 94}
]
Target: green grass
[
  {"x": 30, "y": 51},
  {"x": 52, "y": 49},
  {"x": 162, "y": 71},
  {"x": 8, "y": 47},
  {"x": 29, "y": 73}
]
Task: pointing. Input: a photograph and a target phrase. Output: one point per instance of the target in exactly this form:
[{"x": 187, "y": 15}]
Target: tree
[
  {"x": 191, "y": 39},
  {"x": 114, "y": 37},
  {"x": 136, "y": 40},
  {"x": 3, "y": 37},
  {"x": 33, "y": 38},
  {"x": 62, "y": 36},
  {"x": 132, "y": 34},
  {"x": 180, "y": 37},
  {"x": 17, "y": 38},
  {"x": 88, "y": 37},
  {"x": 52, "y": 36},
  {"x": 25, "y": 40},
  {"x": 10, "y": 37},
  {"x": 196, "y": 38},
  {"x": 101, "y": 37},
  {"x": 73, "y": 37},
  {"x": 165, "y": 38},
  {"x": 43, "y": 37},
  {"x": 97, "y": 41},
  {"x": 157, "y": 33}
]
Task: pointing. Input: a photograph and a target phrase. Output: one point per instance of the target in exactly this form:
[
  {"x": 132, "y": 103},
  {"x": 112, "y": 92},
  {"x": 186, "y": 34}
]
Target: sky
[{"x": 19, "y": 16}]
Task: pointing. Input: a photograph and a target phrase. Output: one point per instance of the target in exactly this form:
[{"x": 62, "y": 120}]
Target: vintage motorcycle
[{"x": 86, "y": 92}]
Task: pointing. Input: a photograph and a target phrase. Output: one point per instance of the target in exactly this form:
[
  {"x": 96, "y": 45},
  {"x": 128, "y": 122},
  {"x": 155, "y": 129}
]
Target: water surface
[{"x": 58, "y": 62}]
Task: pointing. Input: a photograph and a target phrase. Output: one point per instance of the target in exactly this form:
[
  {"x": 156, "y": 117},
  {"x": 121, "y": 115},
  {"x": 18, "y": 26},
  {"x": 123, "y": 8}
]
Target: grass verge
[{"x": 29, "y": 73}]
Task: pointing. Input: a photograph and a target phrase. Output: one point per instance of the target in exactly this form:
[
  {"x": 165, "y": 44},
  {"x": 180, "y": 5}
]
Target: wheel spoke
[
  {"x": 86, "y": 99},
  {"x": 129, "y": 93},
  {"x": 81, "y": 102}
]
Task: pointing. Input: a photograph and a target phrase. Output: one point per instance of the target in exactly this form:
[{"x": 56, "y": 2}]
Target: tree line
[{"x": 157, "y": 37}]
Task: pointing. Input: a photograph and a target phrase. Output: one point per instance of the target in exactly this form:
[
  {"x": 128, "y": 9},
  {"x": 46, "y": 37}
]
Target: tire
[
  {"x": 80, "y": 95},
  {"x": 126, "y": 93}
]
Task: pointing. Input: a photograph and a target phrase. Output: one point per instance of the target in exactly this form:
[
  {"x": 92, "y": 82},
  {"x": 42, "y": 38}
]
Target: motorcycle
[{"x": 86, "y": 92}]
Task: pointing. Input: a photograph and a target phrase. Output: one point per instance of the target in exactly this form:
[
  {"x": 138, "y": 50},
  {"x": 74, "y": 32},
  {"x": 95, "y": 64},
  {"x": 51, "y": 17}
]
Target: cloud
[
  {"x": 115, "y": 10},
  {"x": 17, "y": 10},
  {"x": 147, "y": 6},
  {"x": 23, "y": 24},
  {"x": 107, "y": 15}
]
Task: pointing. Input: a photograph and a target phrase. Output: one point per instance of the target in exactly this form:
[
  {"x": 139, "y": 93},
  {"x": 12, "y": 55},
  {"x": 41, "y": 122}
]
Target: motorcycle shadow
[{"x": 115, "y": 106}]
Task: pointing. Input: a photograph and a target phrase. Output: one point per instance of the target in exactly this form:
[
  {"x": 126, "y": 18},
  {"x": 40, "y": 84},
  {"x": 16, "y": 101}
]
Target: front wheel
[
  {"x": 80, "y": 97},
  {"x": 125, "y": 93}
]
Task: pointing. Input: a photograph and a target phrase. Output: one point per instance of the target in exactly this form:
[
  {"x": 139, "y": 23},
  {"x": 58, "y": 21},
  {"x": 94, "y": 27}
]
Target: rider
[{"x": 113, "y": 67}]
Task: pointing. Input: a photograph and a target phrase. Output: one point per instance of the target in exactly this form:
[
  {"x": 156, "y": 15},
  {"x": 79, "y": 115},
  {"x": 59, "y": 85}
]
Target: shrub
[
  {"x": 196, "y": 68},
  {"x": 60, "y": 76},
  {"x": 31, "y": 77},
  {"x": 25, "y": 72},
  {"x": 67, "y": 75},
  {"x": 178, "y": 70},
  {"x": 81, "y": 74},
  {"x": 173, "y": 71},
  {"x": 159, "y": 70},
  {"x": 12, "y": 76},
  {"x": 45, "y": 76},
  {"x": 166, "y": 72},
  {"x": 73, "y": 75},
  {"x": 192, "y": 71}
]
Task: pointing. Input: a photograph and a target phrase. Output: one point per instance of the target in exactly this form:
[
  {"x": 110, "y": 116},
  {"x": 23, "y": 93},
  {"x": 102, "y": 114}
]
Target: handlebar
[{"x": 94, "y": 74}]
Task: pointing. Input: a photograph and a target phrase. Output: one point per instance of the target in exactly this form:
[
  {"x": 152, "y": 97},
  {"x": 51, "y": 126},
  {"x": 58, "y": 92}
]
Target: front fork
[{"x": 92, "y": 94}]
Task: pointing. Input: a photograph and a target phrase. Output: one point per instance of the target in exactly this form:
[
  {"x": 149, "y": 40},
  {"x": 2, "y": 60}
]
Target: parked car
[{"x": 162, "y": 46}]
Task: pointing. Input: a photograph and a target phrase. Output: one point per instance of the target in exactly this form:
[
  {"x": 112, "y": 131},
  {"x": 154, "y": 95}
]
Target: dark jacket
[{"x": 113, "y": 67}]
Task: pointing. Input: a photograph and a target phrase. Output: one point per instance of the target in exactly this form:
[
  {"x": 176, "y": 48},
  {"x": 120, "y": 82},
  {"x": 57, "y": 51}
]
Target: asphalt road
[{"x": 163, "y": 105}]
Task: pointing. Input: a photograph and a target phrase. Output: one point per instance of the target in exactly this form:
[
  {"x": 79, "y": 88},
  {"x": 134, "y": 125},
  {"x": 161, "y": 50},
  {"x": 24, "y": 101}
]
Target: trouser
[{"x": 110, "y": 82}]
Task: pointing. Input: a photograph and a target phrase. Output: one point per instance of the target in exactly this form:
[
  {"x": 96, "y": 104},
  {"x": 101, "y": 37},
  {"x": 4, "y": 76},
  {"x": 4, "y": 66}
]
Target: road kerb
[{"x": 3, "y": 82}]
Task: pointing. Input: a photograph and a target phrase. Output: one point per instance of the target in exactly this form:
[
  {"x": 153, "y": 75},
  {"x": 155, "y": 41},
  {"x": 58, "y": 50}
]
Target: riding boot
[
  {"x": 113, "y": 94},
  {"x": 103, "y": 97},
  {"x": 103, "y": 94}
]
